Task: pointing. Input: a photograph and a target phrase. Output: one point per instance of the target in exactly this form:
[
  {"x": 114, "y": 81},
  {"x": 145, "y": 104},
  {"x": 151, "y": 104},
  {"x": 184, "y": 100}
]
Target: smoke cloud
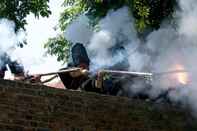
[
  {"x": 175, "y": 49},
  {"x": 165, "y": 49},
  {"x": 32, "y": 55},
  {"x": 108, "y": 45},
  {"x": 8, "y": 38},
  {"x": 79, "y": 31}
]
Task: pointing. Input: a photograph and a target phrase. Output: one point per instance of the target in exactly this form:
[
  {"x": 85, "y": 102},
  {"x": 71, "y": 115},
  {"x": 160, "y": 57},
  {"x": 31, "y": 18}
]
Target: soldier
[
  {"x": 82, "y": 80},
  {"x": 15, "y": 67},
  {"x": 78, "y": 79}
]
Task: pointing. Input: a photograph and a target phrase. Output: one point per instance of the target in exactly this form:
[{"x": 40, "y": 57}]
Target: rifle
[
  {"x": 35, "y": 78},
  {"x": 134, "y": 74},
  {"x": 150, "y": 76}
]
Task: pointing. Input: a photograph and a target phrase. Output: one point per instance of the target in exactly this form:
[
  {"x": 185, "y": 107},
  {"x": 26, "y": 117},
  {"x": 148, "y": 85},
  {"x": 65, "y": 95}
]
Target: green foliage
[
  {"x": 141, "y": 11},
  {"x": 94, "y": 9},
  {"x": 17, "y": 10},
  {"x": 58, "y": 46},
  {"x": 70, "y": 13},
  {"x": 147, "y": 13},
  {"x": 160, "y": 10}
]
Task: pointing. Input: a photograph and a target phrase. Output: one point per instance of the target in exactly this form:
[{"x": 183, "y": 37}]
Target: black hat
[{"x": 79, "y": 55}]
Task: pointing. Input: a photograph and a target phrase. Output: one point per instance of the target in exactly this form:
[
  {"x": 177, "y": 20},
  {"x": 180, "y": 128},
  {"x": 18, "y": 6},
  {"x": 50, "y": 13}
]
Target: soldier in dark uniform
[
  {"x": 78, "y": 80},
  {"x": 92, "y": 83}
]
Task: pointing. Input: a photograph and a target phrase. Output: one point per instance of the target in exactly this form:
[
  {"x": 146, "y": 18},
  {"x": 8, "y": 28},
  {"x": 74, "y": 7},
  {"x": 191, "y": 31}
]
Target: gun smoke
[
  {"x": 164, "y": 49},
  {"x": 31, "y": 56},
  {"x": 9, "y": 39}
]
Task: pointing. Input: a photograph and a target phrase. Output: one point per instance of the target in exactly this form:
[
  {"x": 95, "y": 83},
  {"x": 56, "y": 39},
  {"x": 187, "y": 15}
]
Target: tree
[
  {"x": 58, "y": 46},
  {"x": 17, "y": 10},
  {"x": 148, "y": 14}
]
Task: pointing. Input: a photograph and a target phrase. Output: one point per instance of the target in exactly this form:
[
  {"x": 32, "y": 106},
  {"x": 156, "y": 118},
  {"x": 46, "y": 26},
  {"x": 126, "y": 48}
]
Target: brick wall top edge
[
  {"x": 56, "y": 99},
  {"x": 45, "y": 91}
]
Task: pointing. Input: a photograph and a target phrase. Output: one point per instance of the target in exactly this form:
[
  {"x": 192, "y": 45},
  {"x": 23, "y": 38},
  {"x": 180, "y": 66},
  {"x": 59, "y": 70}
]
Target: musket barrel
[
  {"x": 116, "y": 72},
  {"x": 143, "y": 73},
  {"x": 127, "y": 73}
]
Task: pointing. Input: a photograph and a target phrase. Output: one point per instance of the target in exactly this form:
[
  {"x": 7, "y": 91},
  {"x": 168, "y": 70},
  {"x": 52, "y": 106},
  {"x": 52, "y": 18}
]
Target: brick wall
[{"x": 26, "y": 107}]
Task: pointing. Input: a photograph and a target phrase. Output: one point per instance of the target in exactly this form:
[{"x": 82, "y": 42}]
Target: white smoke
[
  {"x": 38, "y": 31},
  {"x": 79, "y": 31},
  {"x": 188, "y": 32},
  {"x": 8, "y": 38},
  {"x": 165, "y": 49},
  {"x": 177, "y": 47},
  {"x": 103, "y": 57},
  {"x": 116, "y": 29},
  {"x": 31, "y": 56}
]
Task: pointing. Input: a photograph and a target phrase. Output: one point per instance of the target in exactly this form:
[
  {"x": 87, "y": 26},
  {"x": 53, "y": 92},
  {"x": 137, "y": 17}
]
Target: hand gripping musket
[{"x": 102, "y": 73}]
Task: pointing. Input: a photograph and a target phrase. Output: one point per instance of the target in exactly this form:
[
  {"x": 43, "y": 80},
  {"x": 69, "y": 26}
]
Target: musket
[
  {"x": 58, "y": 72},
  {"x": 35, "y": 78},
  {"x": 137, "y": 74},
  {"x": 141, "y": 74},
  {"x": 102, "y": 73}
]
